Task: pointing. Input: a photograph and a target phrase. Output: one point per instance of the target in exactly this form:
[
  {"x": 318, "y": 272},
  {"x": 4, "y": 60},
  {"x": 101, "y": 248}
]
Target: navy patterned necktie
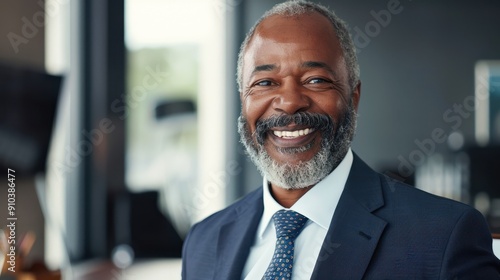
[{"x": 288, "y": 225}]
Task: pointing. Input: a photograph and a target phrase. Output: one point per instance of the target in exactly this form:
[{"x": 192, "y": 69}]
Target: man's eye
[
  {"x": 264, "y": 83},
  {"x": 317, "y": 81}
]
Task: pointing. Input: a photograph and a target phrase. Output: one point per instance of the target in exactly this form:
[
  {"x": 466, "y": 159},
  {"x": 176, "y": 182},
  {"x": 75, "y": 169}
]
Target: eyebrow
[
  {"x": 321, "y": 65},
  {"x": 264, "y": 67},
  {"x": 306, "y": 64}
]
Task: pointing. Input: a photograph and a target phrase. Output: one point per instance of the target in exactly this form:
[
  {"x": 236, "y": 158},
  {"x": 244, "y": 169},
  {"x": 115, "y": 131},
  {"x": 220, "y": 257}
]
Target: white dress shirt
[{"x": 318, "y": 205}]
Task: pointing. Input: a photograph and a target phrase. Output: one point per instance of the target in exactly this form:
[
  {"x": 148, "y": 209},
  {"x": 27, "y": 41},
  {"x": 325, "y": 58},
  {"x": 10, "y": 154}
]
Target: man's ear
[{"x": 356, "y": 95}]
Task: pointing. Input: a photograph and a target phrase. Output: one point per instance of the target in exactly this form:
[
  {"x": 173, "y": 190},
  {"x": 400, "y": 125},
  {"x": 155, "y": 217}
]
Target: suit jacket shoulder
[{"x": 446, "y": 238}]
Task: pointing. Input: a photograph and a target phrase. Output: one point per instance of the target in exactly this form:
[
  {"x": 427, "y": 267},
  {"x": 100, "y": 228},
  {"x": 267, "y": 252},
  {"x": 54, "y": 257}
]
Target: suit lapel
[
  {"x": 354, "y": 231},
  {"x": 236, "y": 237}
]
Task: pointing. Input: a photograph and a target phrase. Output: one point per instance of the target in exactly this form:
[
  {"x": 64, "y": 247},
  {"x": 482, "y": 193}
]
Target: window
[{"x": 175, "y": 104}]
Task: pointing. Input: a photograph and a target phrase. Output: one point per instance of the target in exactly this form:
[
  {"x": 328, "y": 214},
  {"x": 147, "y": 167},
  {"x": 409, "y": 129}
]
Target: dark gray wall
[
  {"x": 22, "y": 22},
  {"x": 413, "y": 70}
]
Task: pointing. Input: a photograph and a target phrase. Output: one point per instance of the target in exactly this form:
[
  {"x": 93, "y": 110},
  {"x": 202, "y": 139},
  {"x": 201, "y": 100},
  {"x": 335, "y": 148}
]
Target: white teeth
[{"x": 293, "y": 134}]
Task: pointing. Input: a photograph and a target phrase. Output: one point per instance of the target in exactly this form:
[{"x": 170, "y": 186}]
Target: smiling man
[{"x": 322, "y": 213}]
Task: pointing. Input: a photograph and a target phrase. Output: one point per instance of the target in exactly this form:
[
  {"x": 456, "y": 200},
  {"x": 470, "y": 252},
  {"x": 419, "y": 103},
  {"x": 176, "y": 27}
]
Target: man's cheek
[{"x": 251, "y": 133}]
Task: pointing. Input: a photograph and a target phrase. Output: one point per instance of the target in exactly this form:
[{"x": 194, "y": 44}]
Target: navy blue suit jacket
[{"x": 381, "y": 229}]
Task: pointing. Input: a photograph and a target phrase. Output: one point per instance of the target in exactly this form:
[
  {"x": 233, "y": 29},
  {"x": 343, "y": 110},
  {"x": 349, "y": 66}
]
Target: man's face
[{"x": 295, "y": 93}]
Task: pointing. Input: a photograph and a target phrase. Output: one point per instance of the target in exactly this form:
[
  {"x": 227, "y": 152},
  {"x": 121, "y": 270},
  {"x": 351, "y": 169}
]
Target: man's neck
[{"x": 287, "y": 198}]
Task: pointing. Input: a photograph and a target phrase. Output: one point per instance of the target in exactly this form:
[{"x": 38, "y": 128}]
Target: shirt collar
[{"x": 318, "y": 204}]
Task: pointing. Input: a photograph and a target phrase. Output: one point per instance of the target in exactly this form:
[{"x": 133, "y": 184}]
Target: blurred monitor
[
  {"x": 487, "y": 102},
  {"x": 27, "y": 109}
]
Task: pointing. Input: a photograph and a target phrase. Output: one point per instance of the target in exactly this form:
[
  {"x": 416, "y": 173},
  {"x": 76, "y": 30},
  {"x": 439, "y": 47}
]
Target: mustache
[{"x": 312, "y": 120}]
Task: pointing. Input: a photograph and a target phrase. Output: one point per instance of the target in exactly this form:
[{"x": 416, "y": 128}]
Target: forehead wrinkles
[{"x": 299, "y": 34}]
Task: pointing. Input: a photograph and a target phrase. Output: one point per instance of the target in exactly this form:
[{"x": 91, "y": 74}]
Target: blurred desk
[
  {"x": 154, "y": 269},
  {"x": 94, "y": 269},
  {"x": 151, "y": 269}
]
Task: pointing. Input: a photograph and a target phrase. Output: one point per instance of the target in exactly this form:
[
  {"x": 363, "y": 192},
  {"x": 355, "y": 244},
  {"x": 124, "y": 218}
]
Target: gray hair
[{"x": 295, "y": 8}]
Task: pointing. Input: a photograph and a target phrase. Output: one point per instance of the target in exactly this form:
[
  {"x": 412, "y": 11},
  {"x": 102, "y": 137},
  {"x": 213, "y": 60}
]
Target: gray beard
[{"x": 334, "y": 146}]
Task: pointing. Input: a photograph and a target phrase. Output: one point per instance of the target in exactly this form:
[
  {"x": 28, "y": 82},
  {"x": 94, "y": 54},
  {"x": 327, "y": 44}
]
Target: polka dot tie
[{"x": 288, "y": 225}]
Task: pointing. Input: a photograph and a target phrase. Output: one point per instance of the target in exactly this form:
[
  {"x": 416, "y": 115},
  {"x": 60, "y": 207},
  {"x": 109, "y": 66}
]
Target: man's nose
[{"x": 290, "y": 99}]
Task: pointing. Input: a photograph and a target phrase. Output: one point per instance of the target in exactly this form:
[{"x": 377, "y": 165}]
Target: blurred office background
[{"x": 130, "y": 107}]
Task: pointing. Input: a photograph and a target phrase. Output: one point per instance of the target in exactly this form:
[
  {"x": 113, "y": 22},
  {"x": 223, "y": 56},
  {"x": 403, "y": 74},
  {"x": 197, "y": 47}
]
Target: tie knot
[{"x": 288, "y": 223}]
